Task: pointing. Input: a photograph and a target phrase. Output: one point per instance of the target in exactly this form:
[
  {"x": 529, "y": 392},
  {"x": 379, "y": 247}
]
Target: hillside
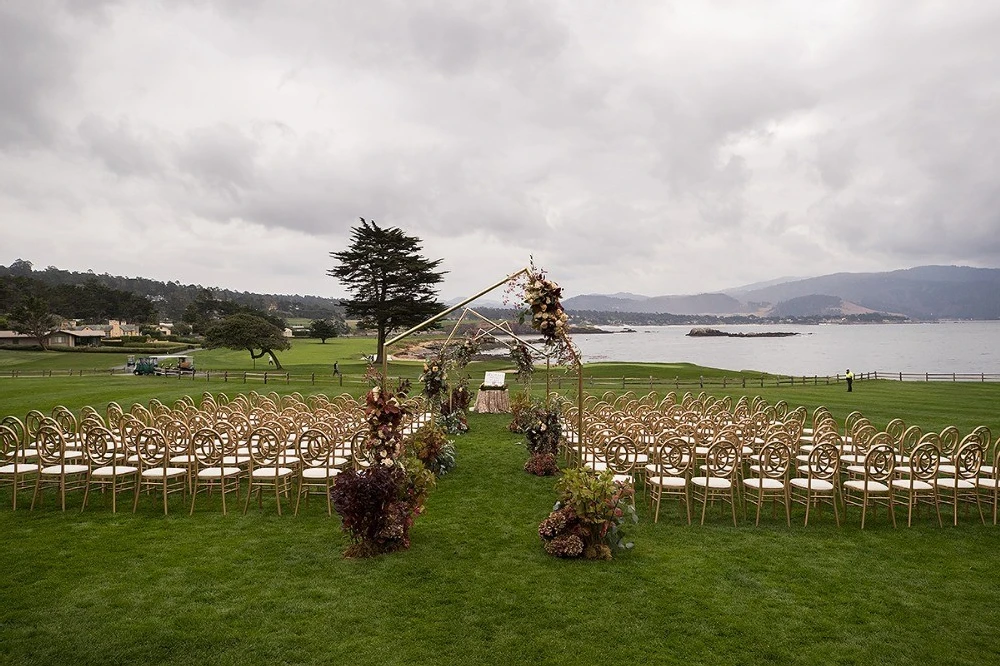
[
  {"x": 681, "y": 305},
  {"x": 925, "y": 292},
  {"x": 170, "y": 299}
]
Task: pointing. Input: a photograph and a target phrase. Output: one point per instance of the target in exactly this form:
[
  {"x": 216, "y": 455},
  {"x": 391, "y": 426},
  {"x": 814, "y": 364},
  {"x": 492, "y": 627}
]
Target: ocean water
[{"x": 825, "y": 349}]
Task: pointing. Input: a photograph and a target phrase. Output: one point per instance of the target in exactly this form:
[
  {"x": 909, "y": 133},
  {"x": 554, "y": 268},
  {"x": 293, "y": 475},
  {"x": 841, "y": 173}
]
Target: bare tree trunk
[{"x": 381, "y": 344}]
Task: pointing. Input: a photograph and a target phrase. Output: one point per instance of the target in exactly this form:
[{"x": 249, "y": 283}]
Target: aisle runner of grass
[{"x": 476, "y": 586}]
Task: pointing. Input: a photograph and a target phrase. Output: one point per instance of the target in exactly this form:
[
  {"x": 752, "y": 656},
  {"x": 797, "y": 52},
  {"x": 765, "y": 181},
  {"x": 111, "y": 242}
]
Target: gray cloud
[{"x": 639, "y": 142}]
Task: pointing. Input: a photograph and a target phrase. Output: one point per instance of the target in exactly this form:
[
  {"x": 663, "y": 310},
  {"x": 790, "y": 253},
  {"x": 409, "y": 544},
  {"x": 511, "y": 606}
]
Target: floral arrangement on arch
[
  {"x": 435, "y": 379},
  {"x": 543, "y": 298},
  {"x": 521, "y": 355},
  {"x": 543, "y": 303},
  {"x": 466, "y": 350}
]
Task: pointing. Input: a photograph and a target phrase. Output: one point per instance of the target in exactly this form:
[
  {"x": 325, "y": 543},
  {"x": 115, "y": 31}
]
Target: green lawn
[{"x": 476, "y": 586}]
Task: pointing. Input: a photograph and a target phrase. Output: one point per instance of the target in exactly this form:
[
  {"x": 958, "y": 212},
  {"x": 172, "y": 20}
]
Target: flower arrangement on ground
[
  {"x": 522, "y": 410},
  {"x": 542, "y": 440},
  {"x": 590, "y": 518},
  {"x": 453, "y": 408},
  {"x": 430, "y": 445},
  {"x": 378, "y": 504}
]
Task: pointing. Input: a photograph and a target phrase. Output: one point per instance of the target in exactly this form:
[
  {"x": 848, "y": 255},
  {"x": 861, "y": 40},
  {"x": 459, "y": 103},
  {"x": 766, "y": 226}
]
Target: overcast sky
[{"x": 652, "y": 147}]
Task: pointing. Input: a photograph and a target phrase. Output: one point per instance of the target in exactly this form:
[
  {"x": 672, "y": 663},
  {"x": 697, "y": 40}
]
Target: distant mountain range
[{"x": 925, "y": 292}]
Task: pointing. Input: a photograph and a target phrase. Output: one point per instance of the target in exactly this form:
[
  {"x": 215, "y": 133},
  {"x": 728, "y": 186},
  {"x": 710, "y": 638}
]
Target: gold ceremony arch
[{"x": 502, "y": 326}]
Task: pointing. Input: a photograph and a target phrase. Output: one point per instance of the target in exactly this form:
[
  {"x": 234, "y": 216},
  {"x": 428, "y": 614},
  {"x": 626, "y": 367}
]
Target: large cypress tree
[{"x": 392, "y": 285}]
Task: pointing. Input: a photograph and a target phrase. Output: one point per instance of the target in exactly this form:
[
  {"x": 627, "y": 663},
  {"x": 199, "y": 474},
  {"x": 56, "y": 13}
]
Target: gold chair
[
  {"x": 722, "y": 464},
  {"x": 57, "y": 468},
  {"x": 319, "y": 468},
  {"x": 156, "y": 472},
  {"x": 209, "y": 453},
  {"x": 961, "y": 482},
  {"x": 265, "y": 449},
  {"x": 13, "y": 465},
  {"x": 821, "y": 480},
  {"x": 622, "y": 457},
  {"x": 988, "y": 481},
  {"x": 919, "y": 485},
  {"x": 671, "y": 474},
  {"x": 108, "y": 469},
  {"x": 873, "y": 488},
  {"x": 771, "y": 480}
]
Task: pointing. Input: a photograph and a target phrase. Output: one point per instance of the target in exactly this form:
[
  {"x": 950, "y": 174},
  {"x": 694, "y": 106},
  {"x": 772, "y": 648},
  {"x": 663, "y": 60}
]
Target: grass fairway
[{"x": 476, "y": 586}]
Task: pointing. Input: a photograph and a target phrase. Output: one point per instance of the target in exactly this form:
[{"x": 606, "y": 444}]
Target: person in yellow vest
[{"x": 850, "y": 380}]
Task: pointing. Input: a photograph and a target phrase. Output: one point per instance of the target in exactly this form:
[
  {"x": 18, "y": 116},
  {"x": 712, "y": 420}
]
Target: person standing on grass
[
  {"x": 336, "y": 368},
  {"x": 850, "y": 380}
]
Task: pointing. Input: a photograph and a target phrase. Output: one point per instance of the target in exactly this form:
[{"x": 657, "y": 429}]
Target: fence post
[
  {"x": 953, "y": 377},
  {"x": 286, "y": 378},
  {"x": 208, "y": 376},
  {"x": 701, "y": 381},
  {"x": 314, "y": 378},
  {"x": 723, "y": 381},
  {"x": 677, "y": 383},
  {"x": 762, "y": 381},
  {"x": 744, "y": 381},
  {"x": 244, "y": 377},
  {"x": 927, "y": 376},
  {"x": 225, "y": 376},
  {"x": 341, "y": 379},
  {"x": 623, "y": 381},
  {"x": 265, "y": 378}
]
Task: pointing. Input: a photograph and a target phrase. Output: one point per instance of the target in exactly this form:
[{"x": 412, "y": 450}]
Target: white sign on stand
[{"x": 495, "y": 379}]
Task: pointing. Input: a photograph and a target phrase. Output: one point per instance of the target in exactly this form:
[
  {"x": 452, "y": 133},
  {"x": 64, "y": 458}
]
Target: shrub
[
  {"x": 543, "y": 433},
  {"x": 432, "y": 447},
  {"x": 453, "y": 407},
  {"x": 542, "y": 464},
  {"x": 522, "y": 408},
  {"x": 590, "y": 517},
  {"x": 378, "y": 505}
]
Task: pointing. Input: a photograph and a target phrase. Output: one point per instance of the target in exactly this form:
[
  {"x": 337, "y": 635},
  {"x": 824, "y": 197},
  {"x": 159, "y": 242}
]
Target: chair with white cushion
[
  {"x": 671, "y": 474},
  {"x": 14, "y": 466},
  {"x": 319, "y": 467},
  {"x": 770, "y": 479},
  {"x": 718, "y": 479},
  {"x": 212, "y": 467},
  {"x": 818, "y": 479},
  {"x": 873, "y": 487},
  {"x": 59, "y": 467},
  {"x": 960, "y": 481},
  {"x": 266, "y": 449},
  {"x": 918, "y": 485},
  {"x": 108, "y": 469},
  {"x": 155, "y": 469}
]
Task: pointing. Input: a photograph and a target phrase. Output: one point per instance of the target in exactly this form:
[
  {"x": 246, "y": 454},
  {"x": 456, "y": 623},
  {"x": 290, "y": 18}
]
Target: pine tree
[{"x": 391, "y": 283}]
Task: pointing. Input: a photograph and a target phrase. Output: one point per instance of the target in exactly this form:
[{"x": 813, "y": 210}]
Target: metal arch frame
[{"x": 427, "y": 322}]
